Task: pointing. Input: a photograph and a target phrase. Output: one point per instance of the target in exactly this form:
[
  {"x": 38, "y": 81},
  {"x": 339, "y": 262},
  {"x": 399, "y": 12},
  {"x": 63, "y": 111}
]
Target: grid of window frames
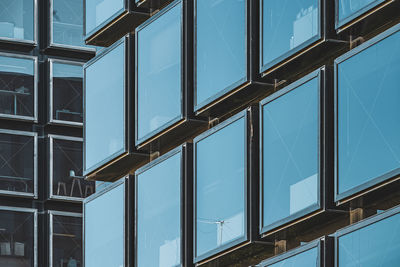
[{"x": 292, "y": 183}]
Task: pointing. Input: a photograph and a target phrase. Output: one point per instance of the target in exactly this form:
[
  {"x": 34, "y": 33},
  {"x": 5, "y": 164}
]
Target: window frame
[
  {"x": 33, "y": 42},
  {"x": 52, "y": 120},
  {"x": 51, "y": 214},
  {"x": 185, "y": 170},
  {"x": 246, "y": 185},
  {"x": 232, "y": 88},
  {"x": 35, "y": 227},
  {"x": 182, "y": 117},
  {"x": 34, "y": 135},
  {"x": 374, "y": 183},
  {"x": 316, "y": 74},
  {"x": 35, "y": 60},
  {"x": 291, "y": 54},
  {"x": 359, "y": 225}
]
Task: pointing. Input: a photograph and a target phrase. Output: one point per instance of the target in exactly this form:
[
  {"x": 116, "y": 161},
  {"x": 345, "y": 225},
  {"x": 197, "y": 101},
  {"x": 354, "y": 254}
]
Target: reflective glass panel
[
  {"x": 308, "y": 258},
  {"x": 159, "y": 71},
  {"x": 68, "y": 22},
  {"x": 347, "y": 8},
  {"x": 17, "y": 166},
  {"x": 67, "y": 241},
  {"x": 67, "y": 82},
  {"x": 375, "y": 245},
  {"x": 287, "y": 25},
  {"x": 221, "y": 46},
  {"x": 105, "y": 107},
  {"x": 290, "y": 152},
  {"x": 368, "y": 120},
  {"x": 67, "y": 170},
  {"x": 104, "y": 229},
  {"x": 17, "y": 238},
  {"x": 17, "y": 86},
  {"x": 99, "y": 11},
  {"x": 220, "y": 187},
  {"x": 159, "y": 214},
  {"x": 17, "y": 19}
]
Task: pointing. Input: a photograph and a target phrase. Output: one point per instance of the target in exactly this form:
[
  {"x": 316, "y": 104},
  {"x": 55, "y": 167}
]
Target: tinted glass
[
  {"x": 220, "y": 44},
  {"x": 374, "y": 245},
  {"x": 17, "y": 166},
  {"x": 99, "y": 11},
  {"x": 68, "y": 22},
  {"x": 16, "y": 19},
  {"x": 308, "y": 258},
  {"x": 368, "y": 111},
  {"x": 105, "y": 103},
  {"x": 286, "y": 25},
  {"x": 17, "y": 238},
  {"x": 104, "y": 229},
  {"x": 220, "y": 180},
  {"x": 159, "y": 240},
  {"x": 67, "y": 81},
  {"x": 67, "y": 170},
  {"x": 17, "y": 86},
  {"x": 348, "y": 8},
  {"x": 67, "y": 241},
  {"x": 290, "y": 152},
  {"x": 159, "y": 71}
]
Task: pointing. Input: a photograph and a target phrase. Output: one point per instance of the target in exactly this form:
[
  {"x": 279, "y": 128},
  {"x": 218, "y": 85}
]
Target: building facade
[
  {"x": 42, "y": 53},
  {"x": 242, "y": 133}
]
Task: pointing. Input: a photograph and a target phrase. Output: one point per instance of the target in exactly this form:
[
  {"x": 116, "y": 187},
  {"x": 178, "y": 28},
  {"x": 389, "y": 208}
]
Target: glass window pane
[
  {"x": 67, "y": 241},
  {"x": 287, "y": 25},
  {"x": 307, "y": 258},
  {"x": 368, "y": 109},
  {"x": 17, "y": 166},
  {"x": 348, "y": 8},
  {"x": 105, "y": 106},
  {"x": 159, "y": 71},
  {"x": 17, "y": 86},
  {"x": 221, "y": 46},
  {"x": 158, "y": 209},
  {"x": 16, "y": 19},
  {"x": 104, "y": 229},
  {"x": 67, "y": 170},
  {"x": 220, "y": 187},
  {"x": 67, "y": 82},
  {"x": 99, "y": 11},
  {"x": 375, "y": 245},
  {"x": 290, "y": 152},
  {"x": 17, "y": 235}
]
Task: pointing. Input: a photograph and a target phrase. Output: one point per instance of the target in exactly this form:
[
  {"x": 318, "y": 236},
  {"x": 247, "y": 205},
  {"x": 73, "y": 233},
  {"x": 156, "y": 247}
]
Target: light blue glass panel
[
  {"x": 105, "y": 107},
  {"x": 99, "y": 11},
  {"x": 287, "y": 25},
  {"x": 308, "y": 258},
  {"x": 290, "y": 152},
  {"x": 220, "y": 187},
  {"x": 348, "y": 8},
  {"x": 159, "y": 71},
  {"x": 375, "y": 245},
  {"x": 221, "y": 46},
  {"x": 159, "y": 214},
  {"x": 17, "y": 19},
  {"x": 104, "y": 229},
  {"x": 368, "y": 108}
]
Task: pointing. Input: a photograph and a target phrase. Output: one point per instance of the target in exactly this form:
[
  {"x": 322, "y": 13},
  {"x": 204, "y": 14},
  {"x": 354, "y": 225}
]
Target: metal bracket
[{"x": 280, "y": 246}]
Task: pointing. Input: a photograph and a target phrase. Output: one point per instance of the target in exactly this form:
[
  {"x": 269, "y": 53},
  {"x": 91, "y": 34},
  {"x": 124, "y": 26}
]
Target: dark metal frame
[
  {"x": 373, "y": 183},
  {"x": 186, "y": 170},
  {"x": 128, "y": 150},
  {"x": 128, "y": 217},
  {"x": 320, "y": 75},
  {"x": 362, "y": 224},
  {"x": 246, "y": 188}
]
